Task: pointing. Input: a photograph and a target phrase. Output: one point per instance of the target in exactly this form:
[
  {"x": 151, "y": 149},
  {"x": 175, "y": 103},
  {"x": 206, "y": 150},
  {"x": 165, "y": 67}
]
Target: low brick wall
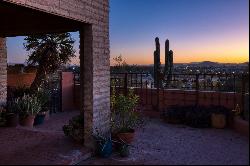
[
  {"x": 21, "y": 79},
  {"x": 168, "y": 97}
]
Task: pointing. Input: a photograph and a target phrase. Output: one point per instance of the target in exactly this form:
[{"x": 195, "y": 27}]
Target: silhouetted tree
[{"x": 49, "y": 52}]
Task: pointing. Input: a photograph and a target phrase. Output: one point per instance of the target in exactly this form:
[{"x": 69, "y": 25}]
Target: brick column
[
  {"x": 95, "y": 81},
  {"x": 3, "y": 71}
]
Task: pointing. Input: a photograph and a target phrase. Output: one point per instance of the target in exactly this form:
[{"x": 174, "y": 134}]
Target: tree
[
  {"x": 120, "y": 64},
  {"x": 49, "y": 52}
]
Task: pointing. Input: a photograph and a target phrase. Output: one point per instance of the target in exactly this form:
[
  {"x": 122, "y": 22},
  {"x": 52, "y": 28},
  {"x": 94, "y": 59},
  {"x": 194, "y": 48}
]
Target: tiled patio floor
[
  {"x": 45, "y": 144},
  {"x": 160, "y": 143}
]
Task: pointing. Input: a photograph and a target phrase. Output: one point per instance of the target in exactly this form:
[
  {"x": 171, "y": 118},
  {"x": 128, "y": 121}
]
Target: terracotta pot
[
  {"x": 127, "y": 137},
  {"x": 218, "y": 121},
  {"x": 28, "y": 121},
  {"x": 39, "y": 119},
  {"x": 11, "y": 120}
]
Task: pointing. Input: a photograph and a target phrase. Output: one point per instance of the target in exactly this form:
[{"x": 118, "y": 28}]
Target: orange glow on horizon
[{"x": 223, "y": 50}]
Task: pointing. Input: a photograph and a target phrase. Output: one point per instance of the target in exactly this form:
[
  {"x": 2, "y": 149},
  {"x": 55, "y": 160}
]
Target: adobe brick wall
[
  {"x": 95, "y": 55},
  {"x": 67, "y": 91},
  {"x": 181, "y": 97},
  {"x": 3, "y": 71},
  {"x": 20, "y": 79}
]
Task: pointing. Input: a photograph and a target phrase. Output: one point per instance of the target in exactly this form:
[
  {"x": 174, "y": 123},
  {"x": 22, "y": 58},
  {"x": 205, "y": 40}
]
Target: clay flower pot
[
  {"x": 218, "y": 121},
  {"x": 127, "y": 137},
  {"x": 105, "y": 150},
  {"x": 28, "y": 121},
  {"x": 39, "y": 118},
  {"x": 11, "y": 120}
]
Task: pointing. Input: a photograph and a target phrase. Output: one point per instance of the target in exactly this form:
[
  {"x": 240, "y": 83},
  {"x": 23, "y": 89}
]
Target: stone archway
[{"x": 91, "y": 19}]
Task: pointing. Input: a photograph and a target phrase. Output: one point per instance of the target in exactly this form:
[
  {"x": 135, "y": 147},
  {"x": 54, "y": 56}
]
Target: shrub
[
  {"x": 43, "y": 96},
  {"x": 25, "y": 106},
  {"x": 174, "y": 114},
  {"x": 193, "y": 116},
  {"x": 198, "y": 117},
  {"x": 75, "y": 129},
  {"x": 124, "y": 114}
]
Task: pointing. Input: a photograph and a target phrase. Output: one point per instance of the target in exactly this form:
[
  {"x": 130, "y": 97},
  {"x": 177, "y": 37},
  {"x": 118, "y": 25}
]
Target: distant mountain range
[
  {"x": 204, "y": 63},
  {"x": 209, "y": 63}
]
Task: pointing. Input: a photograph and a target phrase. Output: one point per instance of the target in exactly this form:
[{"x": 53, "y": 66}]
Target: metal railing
[{"x": 234, "y": 87}]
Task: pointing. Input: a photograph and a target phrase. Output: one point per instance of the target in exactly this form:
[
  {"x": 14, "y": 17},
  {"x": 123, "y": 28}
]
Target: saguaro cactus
[
  {"x": 168, "y": 70},
  {"x": 157, "y": 63}
]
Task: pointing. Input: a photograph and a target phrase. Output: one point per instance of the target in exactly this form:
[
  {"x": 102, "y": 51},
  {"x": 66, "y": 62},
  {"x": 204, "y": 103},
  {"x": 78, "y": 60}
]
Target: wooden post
[{"x": 126, "y": 84}]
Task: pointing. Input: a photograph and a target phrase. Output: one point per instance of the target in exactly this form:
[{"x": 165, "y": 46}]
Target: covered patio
[{"x": 91, "y": 19}]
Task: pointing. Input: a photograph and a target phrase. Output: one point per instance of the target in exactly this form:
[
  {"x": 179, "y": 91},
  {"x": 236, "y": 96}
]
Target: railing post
[
  {"x": 158, "y": 97},
  {"x": 197, "y": 89},
  {"x": 126, "y": 84},
  {"x": 234, "y": 77},
  {"x": 243, "y": 91}
]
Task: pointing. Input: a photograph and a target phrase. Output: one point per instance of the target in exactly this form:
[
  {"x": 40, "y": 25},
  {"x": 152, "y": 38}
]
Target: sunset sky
[{"x": 198, "y": 30}]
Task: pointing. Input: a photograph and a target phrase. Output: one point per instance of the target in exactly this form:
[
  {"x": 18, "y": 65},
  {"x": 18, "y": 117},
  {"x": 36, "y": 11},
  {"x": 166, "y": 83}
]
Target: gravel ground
[
  {"x": 160, "y": 143},
  {"x": 42, "y": 145},
  {"x": 56, "y": 121}
]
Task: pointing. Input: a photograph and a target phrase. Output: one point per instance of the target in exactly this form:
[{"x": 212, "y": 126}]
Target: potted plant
[
  {"x": 39, "y": 119},
  {"x": 219, "y": 117},
  {"x": 198, "y": 116},
  {"x": 174, "y": 114},
  {"x": 122, "y": 148},
  {"x": 75, "y": 129},
  {"x": 124, "y": 118},
  {"x": 43, "y": 97},
  {"x": 104, "y": 145},
  {"x": 234, "y": 115},
  {"x": 27, "y": 107}
]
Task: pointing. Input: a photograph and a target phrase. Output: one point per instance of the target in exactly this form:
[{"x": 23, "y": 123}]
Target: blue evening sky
[{"x": 215, "y": 30}]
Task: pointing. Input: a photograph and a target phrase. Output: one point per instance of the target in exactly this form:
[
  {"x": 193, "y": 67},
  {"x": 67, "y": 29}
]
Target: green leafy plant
[
  {"x": 124, "y": 114},
  {"x": 43, "y": 96},
  {"x": 104, "y": 144},
  {"x": 193, "y": 116},
  {"x": 75, "y": 129},
  {"x": 20, "y": 91},
  {"x": 124, "y": 150},
  {"x": 175, "y": 114},
  {"x": 26, "y": 106}
]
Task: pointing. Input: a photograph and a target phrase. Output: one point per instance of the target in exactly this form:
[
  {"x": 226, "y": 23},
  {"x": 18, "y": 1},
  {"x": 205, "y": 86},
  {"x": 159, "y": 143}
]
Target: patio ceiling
[{"x": 16, "y": 20}]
